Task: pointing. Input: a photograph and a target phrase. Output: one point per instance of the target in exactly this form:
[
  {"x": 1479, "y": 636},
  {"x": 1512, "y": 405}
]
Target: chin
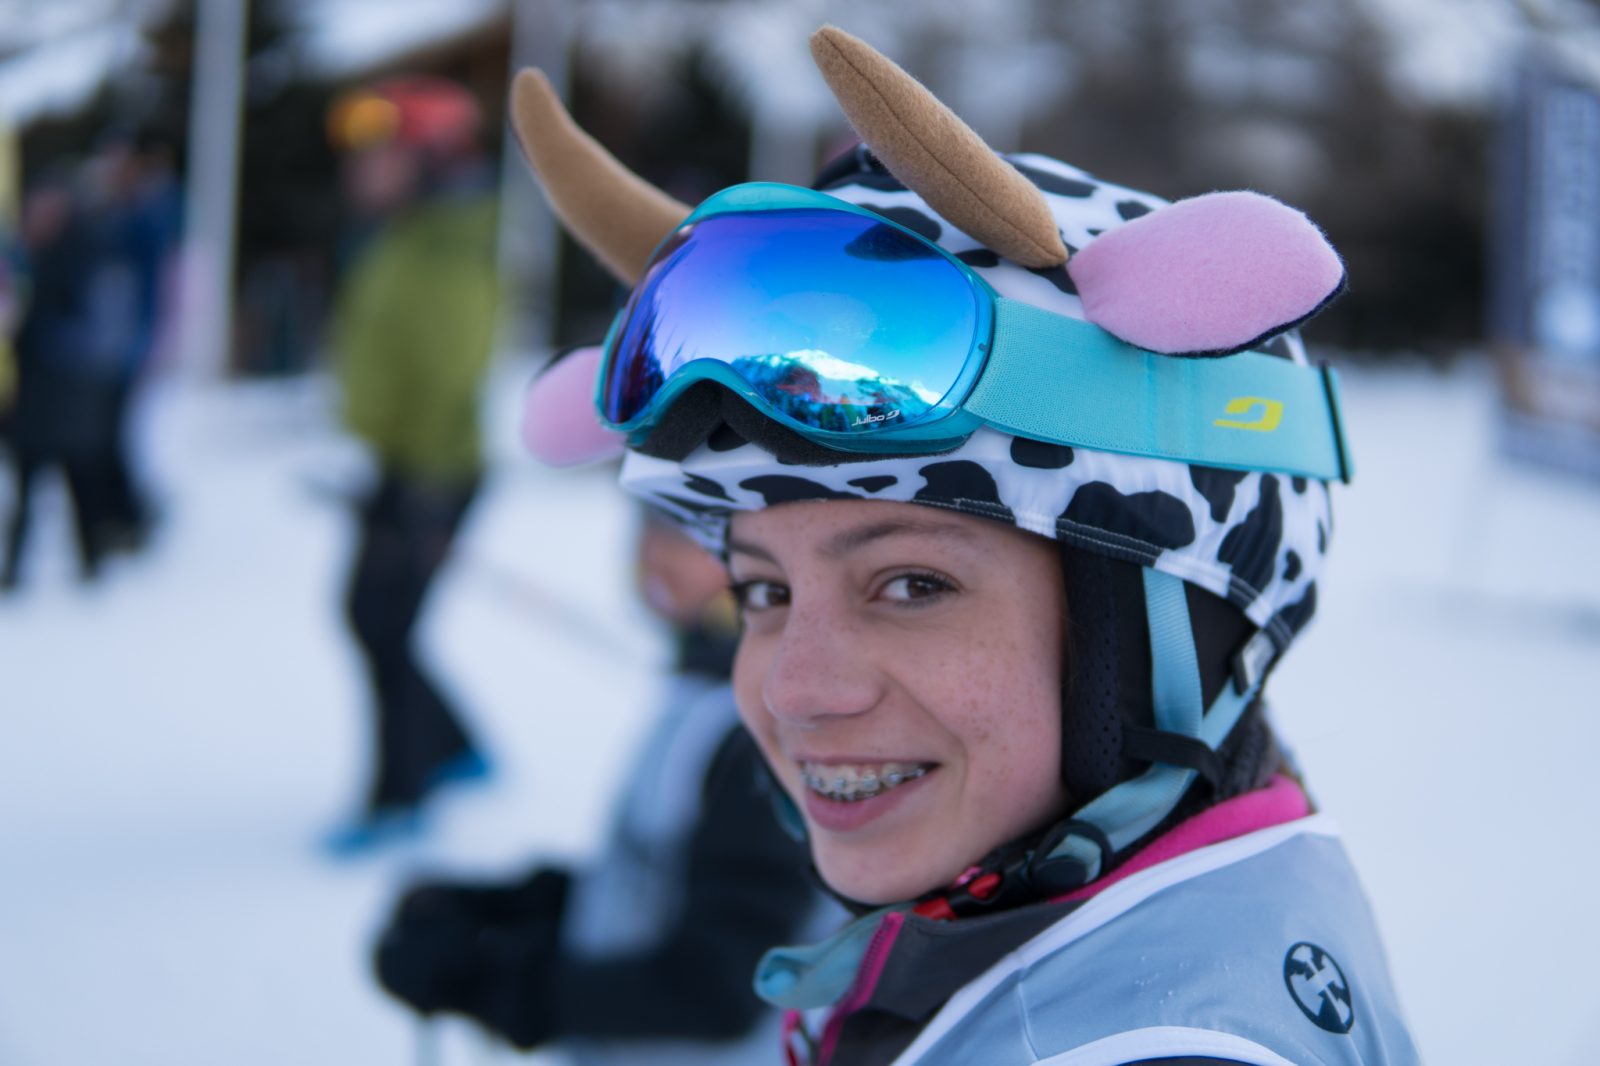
[{"x": 865, "y": 880}]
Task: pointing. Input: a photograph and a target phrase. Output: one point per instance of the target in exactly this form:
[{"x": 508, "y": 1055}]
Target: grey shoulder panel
[{"x": 1261, "y": 954}]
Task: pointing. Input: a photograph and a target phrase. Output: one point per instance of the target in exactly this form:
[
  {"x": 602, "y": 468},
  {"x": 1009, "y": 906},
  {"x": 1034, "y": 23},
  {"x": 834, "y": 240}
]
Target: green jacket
[
  {"x": 8, "y": 374},
  {"x": 413, "y": 328}
]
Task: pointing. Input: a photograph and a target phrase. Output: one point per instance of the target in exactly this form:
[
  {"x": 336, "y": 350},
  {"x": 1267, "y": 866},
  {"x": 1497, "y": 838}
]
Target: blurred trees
[
  {"x": 1298, "y": 101},
  {"x": 1306, "y": 102},
  {"x": 1323, "y": 105}
]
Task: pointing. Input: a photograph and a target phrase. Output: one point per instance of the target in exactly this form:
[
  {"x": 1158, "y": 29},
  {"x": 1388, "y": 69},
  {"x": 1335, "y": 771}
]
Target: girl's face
[{"x": 901, "y": 669}]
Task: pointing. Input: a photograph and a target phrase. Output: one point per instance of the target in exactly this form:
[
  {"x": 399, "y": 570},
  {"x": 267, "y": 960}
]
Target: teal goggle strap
[
  {"x": 1055, "y": 378},
  {"x": 1051, "y": 377}
]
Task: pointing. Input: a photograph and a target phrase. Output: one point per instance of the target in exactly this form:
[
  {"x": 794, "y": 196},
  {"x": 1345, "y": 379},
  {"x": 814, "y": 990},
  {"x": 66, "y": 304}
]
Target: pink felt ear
[
  {"x": 1207, "y": 276},
  {"x": 559, "y": 423}
]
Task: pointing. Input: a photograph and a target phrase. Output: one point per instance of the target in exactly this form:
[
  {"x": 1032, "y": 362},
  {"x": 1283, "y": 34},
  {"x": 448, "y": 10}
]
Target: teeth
[{"x": 852, "y": 782}]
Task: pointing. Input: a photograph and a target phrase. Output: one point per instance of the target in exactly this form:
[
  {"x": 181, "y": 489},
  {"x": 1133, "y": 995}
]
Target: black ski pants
[
  {"x": 407, "y": 527},
  {"x": 88, "y": 510}
]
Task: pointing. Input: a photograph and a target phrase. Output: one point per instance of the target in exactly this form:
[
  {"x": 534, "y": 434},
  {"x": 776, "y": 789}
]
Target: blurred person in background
[
  {"x": 12, "y": 283},
  {"x": 97, "y": 239},
  {"x": 644, "y": 955},
  {"x": 12, "y": 280},
  {"x": 131, "y": 213},
  {"x": 412, "y": 332},
  {"x": 62, "y": 403}
]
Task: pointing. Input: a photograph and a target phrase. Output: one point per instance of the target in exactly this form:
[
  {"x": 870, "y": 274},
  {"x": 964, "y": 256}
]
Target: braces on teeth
[{"x": 851, "y": 787}]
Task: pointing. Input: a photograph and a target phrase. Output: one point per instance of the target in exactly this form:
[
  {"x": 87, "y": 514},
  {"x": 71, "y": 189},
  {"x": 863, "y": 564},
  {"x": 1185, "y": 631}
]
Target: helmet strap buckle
[{"x": 1252, "y": 661}]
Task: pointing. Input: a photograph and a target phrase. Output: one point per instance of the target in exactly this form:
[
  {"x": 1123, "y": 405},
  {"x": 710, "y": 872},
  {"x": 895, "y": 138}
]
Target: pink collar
[{"x": 1281, "y": 801}]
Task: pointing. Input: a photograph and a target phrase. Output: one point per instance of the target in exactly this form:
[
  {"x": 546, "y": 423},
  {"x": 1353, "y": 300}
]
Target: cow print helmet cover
[{"x": 1248, "y": 545}]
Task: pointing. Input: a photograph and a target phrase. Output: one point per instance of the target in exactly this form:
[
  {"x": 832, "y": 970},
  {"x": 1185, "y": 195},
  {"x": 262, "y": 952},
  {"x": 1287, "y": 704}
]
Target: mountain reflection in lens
[{"x": 838, "y": 321}]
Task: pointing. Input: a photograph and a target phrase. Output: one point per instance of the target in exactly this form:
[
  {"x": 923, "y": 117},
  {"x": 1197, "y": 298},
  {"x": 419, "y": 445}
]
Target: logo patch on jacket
[{"x": 1319, "y": 987}]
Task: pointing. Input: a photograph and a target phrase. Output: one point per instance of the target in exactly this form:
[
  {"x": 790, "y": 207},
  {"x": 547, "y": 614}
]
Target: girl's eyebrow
[
  {"x": 739, "y": 547},
  {"x": 848, "y": 540}
]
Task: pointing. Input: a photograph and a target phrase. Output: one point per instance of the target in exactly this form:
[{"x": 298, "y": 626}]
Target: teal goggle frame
[{"x": 1025, "y": 371}]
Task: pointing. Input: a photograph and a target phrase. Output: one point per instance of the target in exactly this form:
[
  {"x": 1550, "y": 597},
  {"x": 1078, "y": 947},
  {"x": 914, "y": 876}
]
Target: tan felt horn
[
  {"x": 935, "y": 154},
  {"x": 608, "y": 208}
]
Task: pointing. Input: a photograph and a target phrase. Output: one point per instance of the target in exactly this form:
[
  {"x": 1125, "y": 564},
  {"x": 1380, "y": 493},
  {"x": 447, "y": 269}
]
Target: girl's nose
[{"x": 820, "y": 670}]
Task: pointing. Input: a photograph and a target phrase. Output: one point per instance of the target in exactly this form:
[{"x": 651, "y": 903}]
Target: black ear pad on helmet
[
  {"x": 1107, "y": 671},
  {"x": 1107, "y": 677}
]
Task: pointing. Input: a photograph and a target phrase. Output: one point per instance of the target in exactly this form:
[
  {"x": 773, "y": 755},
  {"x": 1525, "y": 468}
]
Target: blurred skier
[
  {"x": 412, "y": 332},
  {"x": 643, "y": 957},
  {"x": 62, "y": 404},
  {"x": 131, "y": 218},
  {"x": 11, "y": 297},
  {"x": 12, "y": 284},
  {"x": 97, "y": 239}
]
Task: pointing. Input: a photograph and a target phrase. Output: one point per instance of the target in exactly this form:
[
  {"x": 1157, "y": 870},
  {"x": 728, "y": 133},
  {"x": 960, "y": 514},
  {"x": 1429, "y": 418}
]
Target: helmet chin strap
[{"x": 1182, "y": 745}]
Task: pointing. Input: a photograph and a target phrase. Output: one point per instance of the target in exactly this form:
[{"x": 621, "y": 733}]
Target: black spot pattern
[
  {"x": 1056, "y": 183},
  {"x": 876, "y": 483},
  {"x": 1039, "y": 454},
  {"x": 870, "y": 179},
  {"x": 979, "y": 257},
  {"x": 697, "y": 507},
  {"x": 705, "y": 486},
  {"x": 1291, "y": 566},
  {"x": 1295, "y": 616},
  {"x": 1251, "y": 547},
  {"x": 1322, "y": 539},
  {"x": 1152, "y": 519},
  {"x": 782, "y": 488},
  {"x": 1217, "y": 486},
  {"x": 1057, "y": 276},
  {"x": 916, "y": 221},
  {"x": 869, "y": 159},
  {"x": 1131, "y": 209},
  {"x": 1299, "y": 485},
  {"x": 963, "y": 482},
  {"x": 857, "y": 166},
  {"x": 725, "y": 439}
]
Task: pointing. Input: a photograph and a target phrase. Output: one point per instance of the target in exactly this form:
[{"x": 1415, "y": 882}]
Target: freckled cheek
[
  {"x": 1009, "y": 736},
  {"x": 975, "y": 723}
]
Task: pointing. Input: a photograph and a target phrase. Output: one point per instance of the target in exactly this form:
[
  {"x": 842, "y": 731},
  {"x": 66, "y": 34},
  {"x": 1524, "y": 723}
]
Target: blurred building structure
[{"x": 1546, "y": 310}]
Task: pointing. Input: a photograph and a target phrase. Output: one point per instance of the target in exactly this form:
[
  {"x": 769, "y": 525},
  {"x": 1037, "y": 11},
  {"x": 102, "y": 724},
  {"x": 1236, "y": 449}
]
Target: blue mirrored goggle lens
[{"x": 840, "y": 322}]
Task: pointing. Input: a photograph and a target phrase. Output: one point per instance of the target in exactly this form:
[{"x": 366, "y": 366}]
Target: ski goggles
[{"x": 864, "y": 336}]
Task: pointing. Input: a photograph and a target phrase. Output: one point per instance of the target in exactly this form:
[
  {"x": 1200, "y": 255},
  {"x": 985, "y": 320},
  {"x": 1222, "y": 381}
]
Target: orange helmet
[{"x": 413, "y": 110}]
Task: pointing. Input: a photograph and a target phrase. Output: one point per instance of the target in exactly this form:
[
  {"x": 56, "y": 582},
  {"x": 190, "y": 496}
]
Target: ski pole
[{"x": 426, "y": 1046}]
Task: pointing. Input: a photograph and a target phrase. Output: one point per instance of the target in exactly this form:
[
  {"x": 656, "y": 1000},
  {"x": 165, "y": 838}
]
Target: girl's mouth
[{"x": 853, "y": 782}]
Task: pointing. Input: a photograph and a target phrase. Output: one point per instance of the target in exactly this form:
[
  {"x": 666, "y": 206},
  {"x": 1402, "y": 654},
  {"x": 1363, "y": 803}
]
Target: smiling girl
[
  {"x": 1021, "y": 481},
  {"x": 901, "y": 670}
]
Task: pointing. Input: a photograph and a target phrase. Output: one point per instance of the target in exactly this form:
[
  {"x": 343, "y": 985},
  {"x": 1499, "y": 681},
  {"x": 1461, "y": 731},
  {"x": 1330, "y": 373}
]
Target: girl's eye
[
  {"x": 760, "y": 595},
  {"x": 912, "y": 587}
]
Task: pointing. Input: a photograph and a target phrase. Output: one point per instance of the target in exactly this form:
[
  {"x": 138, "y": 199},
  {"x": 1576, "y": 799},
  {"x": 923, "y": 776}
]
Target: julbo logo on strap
[{"x": 1268, "y": 413}]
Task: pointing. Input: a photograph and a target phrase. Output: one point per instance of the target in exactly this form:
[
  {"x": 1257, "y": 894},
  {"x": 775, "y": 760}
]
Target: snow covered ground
[{"x": 175, "y": 738}]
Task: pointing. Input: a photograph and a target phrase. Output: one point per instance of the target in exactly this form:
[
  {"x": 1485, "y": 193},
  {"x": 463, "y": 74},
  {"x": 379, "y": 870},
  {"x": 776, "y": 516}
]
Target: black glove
[
  {"x": 540, "y": 895},
  {"x": 428, "y": 959},
  {"x": 483, "y": 951}
]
